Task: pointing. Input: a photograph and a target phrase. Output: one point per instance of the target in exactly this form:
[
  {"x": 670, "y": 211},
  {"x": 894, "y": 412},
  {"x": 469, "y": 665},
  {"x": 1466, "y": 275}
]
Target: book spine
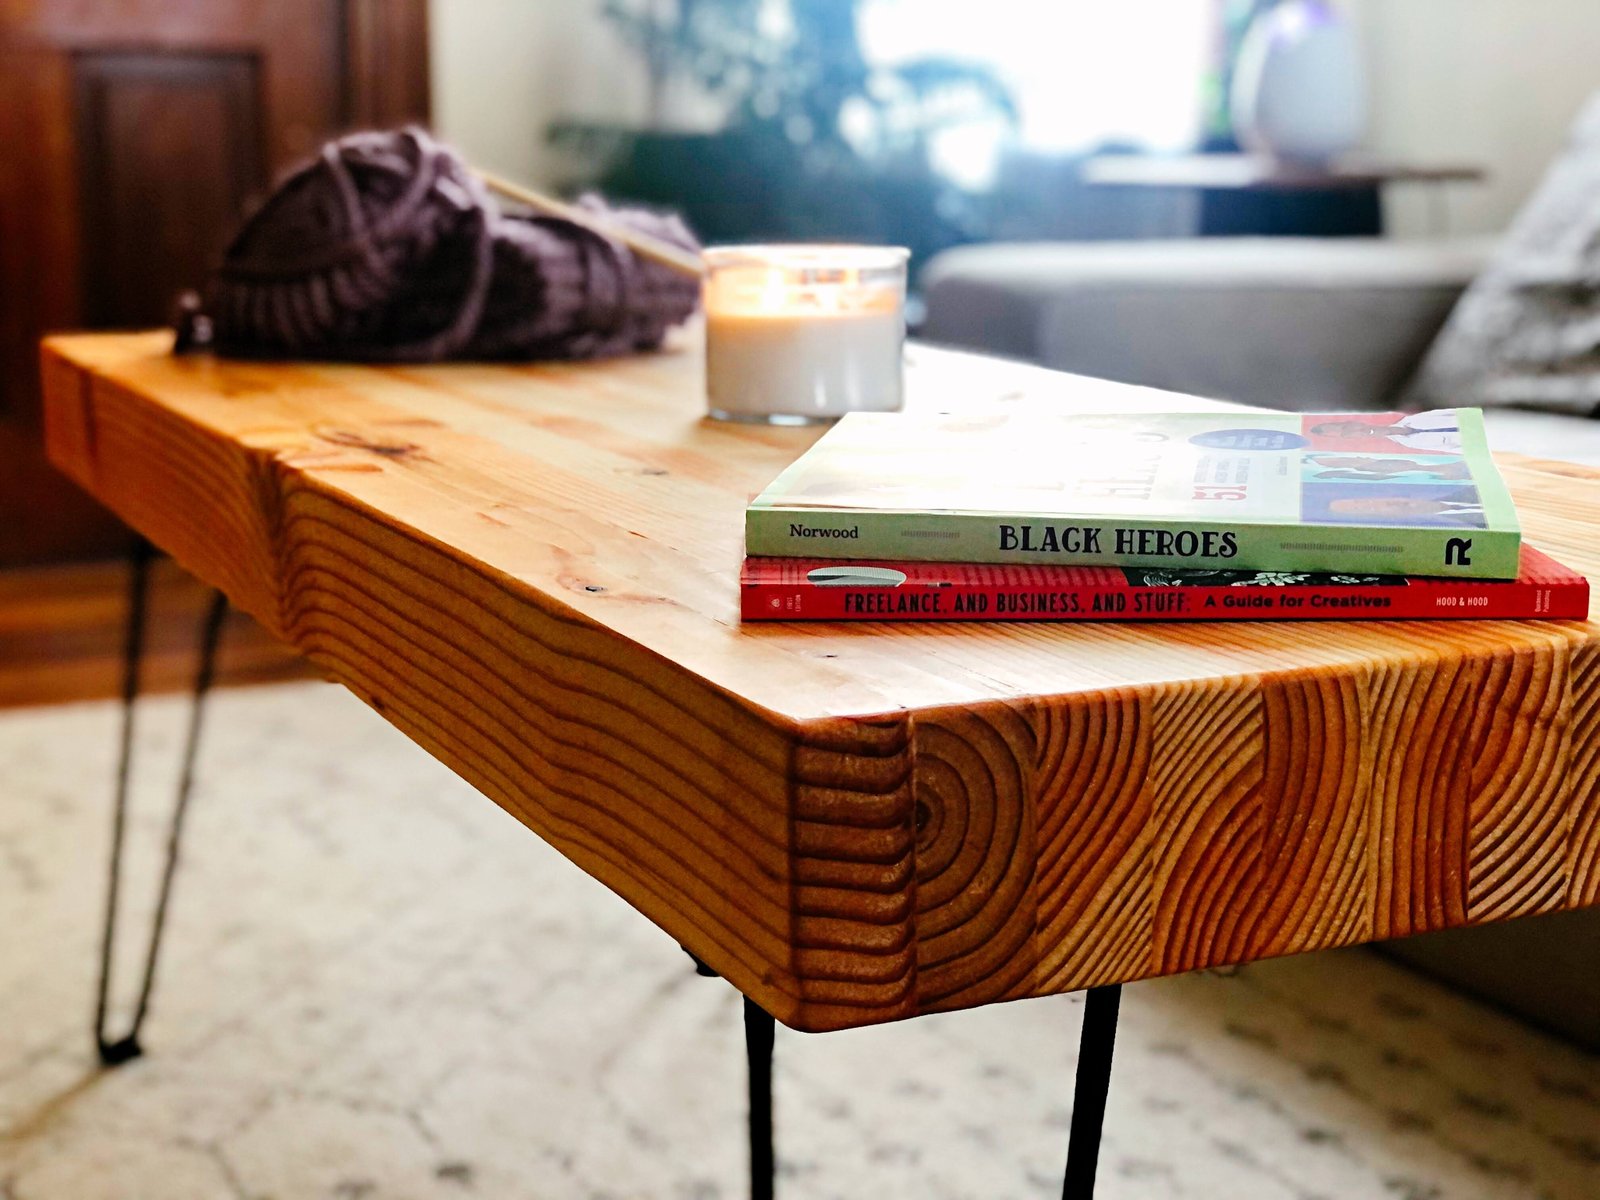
[
  {"x": 1032, "y": 540},
  {"x": 1518, "y": 600}
]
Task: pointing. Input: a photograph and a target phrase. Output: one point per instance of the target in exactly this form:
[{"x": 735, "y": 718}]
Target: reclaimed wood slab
[{"x": 531, "y": 571}]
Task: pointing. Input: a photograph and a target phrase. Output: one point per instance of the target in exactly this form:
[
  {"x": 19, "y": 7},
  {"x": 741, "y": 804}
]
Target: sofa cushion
[
  {"x": 1527, "y": 332},
  {"x": 1280, "y": 322}
]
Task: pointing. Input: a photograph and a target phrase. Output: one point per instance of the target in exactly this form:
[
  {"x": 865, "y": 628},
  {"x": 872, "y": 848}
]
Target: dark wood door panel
[
  {"x": 133, "y": 133},
  {"x": 171, "y": 151},
  {"x": 302, "y": 46}
]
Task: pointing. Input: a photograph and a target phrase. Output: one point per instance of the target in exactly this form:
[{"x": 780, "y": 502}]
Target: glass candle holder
[{"x": 799, "y": 334}]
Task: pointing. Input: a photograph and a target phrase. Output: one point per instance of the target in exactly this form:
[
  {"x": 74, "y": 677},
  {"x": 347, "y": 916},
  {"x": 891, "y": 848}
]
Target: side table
[{"x": 1251, "y": 194}]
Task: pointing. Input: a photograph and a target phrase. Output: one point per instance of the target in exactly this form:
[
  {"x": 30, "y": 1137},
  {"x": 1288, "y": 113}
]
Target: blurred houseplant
[
  {"x": 1233, "y": 20},
  {"x": 815, "y": 143}
]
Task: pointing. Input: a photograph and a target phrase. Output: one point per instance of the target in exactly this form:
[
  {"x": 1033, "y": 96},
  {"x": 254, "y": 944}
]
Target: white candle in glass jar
[{"x": 796, "y": 334}]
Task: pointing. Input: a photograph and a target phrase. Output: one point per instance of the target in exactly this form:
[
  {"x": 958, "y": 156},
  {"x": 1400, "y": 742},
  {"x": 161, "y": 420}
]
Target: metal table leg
[
  {"x": 1095, "y": 1044},
  {"x": 114, "y": 1051},
  {"x": 758, "y": 1036},
  {"x": 759, "y": 1031}
]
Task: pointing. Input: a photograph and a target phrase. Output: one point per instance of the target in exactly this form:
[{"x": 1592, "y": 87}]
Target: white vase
[{"x": 1299, "y": 91}]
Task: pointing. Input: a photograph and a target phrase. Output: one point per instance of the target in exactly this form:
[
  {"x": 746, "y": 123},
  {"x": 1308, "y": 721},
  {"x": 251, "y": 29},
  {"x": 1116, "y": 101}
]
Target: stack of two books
[{"x": 1148, "y": 517}]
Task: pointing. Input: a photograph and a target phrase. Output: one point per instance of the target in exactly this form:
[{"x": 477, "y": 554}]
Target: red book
[{"x": 816, "y": 589}]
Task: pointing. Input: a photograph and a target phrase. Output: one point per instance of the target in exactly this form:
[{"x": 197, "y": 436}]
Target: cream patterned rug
[{"x": 380, "y": 987}]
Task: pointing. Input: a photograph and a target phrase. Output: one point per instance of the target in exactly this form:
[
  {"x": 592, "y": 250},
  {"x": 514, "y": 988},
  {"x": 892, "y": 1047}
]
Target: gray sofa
[
  {"x": 1295, "y": 324},
  {"x": 1279, "y": 322},
  {"x": 1312, "y": 324}
]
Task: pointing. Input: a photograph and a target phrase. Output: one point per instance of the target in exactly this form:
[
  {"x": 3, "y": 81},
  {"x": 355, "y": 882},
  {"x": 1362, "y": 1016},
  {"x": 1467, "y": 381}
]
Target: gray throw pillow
[{"x": 1527, "y": 331}]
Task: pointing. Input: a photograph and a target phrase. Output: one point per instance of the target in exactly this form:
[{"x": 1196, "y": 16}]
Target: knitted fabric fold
[{"x": 386, "y": 248}]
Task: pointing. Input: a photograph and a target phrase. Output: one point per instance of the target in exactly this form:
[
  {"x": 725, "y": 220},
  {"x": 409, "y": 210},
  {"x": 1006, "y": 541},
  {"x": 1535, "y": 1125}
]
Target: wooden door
[{"x": 133, "y": 133}]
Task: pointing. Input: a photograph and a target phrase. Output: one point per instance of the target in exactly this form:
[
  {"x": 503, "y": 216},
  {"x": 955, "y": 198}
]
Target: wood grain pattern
[
  {"x": 976, "y": 849},
  {"x": 1583, "y": 781},
  {"x": 1314, "y": 778},
  {"x": 1206, "y": 811},
  {"x": 531, "y": 571},
  {"x": 1093, "y": 821},
  {"x": 852, "y": 836}
]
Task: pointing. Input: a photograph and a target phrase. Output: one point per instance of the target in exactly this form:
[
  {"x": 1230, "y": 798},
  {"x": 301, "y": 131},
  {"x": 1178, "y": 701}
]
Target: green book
[{"x": 1386, "y": 493}]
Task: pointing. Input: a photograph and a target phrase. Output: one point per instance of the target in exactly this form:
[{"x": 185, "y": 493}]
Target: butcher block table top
[{"x": 532, "y": 572}]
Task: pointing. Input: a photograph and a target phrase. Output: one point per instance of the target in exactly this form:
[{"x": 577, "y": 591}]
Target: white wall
[
  {"x": 1492, "y": 82},
  {"x": 504, "y": 69}
]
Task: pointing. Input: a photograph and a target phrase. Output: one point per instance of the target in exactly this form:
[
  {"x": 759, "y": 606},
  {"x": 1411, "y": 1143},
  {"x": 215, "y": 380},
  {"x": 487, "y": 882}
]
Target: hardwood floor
[{"x": 61, "y": 635}]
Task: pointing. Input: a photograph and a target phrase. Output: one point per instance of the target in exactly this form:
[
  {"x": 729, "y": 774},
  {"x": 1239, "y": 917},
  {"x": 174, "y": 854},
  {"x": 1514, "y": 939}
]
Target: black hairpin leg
[
  {"x": 1095, "y": 1044},
  {"x": 759, "y": 1029},
  {"x": 758, "y": 1036},
  {"x": 119, "y": 1050}
]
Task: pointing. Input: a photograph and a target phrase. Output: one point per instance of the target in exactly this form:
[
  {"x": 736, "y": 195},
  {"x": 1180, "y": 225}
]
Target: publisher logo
[{"x": 1455, "y": 552}]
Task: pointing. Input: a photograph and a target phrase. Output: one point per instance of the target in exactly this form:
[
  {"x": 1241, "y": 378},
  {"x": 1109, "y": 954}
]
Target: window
[{"x": 1084, "y": 72}]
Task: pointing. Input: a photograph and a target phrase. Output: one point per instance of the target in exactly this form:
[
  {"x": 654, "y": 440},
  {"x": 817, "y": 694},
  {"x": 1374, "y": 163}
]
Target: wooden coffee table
[{"x": 531, "y": 571}]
